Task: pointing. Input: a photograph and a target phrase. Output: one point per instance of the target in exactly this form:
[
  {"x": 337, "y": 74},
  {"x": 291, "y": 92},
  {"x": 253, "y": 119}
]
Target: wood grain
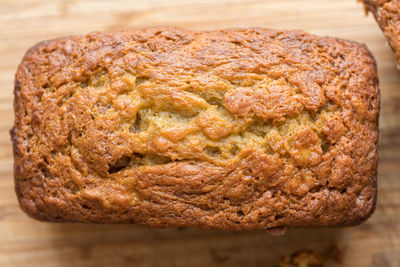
[{"x": 25, "y": 242}]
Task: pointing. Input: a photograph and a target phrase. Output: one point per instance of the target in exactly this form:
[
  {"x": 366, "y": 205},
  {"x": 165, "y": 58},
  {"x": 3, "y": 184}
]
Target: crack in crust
[{"x": 230, "y": 129}]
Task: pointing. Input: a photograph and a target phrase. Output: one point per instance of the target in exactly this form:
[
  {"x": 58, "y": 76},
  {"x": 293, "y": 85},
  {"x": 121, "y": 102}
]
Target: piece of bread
[
  {"x": 226, "y": 129},
  {"x": 387, "y": 14},
  {"x": 302, "y": 258}
]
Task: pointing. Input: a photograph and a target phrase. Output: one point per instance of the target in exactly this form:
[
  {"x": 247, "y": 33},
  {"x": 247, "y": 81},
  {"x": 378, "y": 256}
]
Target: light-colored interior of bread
[{"x": 193, "y": 123}]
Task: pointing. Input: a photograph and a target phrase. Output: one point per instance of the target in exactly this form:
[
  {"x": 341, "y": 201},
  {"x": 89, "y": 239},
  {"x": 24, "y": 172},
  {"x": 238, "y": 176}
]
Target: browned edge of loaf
[{"x": 389, "y": 22}]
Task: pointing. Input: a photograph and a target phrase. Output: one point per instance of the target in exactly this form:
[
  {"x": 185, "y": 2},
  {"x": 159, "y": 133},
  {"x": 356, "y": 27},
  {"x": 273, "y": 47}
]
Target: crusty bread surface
[
  {"x": 387, "y": 14},
  {"x": 226, "y": 129}
]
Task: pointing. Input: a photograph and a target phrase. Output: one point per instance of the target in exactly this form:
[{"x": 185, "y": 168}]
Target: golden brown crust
[
  {"x": 229, "y": 129},
  {"x": 387, "y": 14}
]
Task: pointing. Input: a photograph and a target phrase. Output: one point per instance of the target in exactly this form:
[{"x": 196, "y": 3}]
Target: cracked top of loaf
[{"x": 228, "y": 129}]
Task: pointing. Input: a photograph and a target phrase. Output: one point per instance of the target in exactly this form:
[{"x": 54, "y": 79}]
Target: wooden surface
[{"x": 25, "y": 242}]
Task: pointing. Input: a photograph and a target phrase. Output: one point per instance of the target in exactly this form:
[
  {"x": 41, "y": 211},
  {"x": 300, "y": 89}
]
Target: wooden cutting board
[{"x": 25, "y": 242}]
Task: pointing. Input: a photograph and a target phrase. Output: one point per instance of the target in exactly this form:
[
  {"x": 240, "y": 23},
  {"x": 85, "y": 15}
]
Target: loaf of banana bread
[
  {"x": 387, "y": 14},
  {"x": 227, "y": 129}
]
